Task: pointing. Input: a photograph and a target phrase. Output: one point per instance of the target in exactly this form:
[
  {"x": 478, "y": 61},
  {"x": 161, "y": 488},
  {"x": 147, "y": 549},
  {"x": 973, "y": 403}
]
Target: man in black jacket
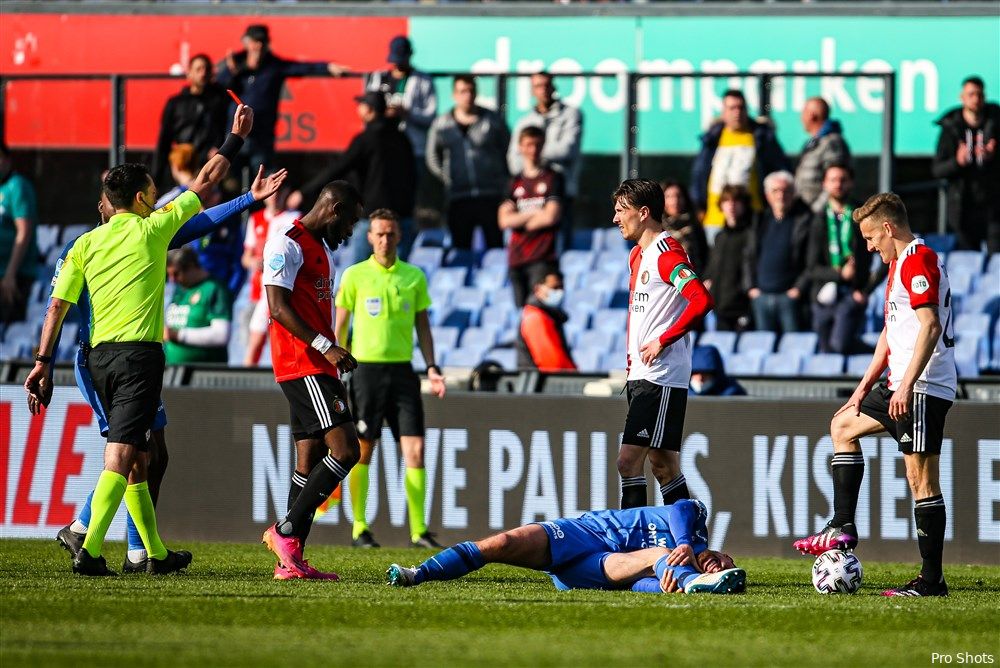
[
  {"x": 967, "y": 156},
  {"x": 776, "y": 257},
  {"x": 381, "y": 157},
  {"x": 197, "y": 116},
  {"x": 726, "y": 277}
]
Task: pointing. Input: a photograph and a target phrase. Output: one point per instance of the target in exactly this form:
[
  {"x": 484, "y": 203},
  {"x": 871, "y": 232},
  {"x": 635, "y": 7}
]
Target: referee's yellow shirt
[
  {"x": 385, "y": 303},
  {"x": 124, "y": 266}
]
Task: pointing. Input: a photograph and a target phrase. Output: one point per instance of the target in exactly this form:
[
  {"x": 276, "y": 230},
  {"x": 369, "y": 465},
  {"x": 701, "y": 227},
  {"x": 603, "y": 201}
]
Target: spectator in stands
[
  {"x": 257, "y": 76},
  {"x": 838, "y": 265},
  {"x": 532, "y": 211},
  {"x": 777, "y": 257},
  {"x": 195, "y": 116},
  {"x": 967, "y": 157},
  {"x": 735, "y": 150},
  {"x": 18, "y": 241},
  {"x": 381, "y": 157},
  {"x": 198, "y": 317},
  {"x": 563, "y": 126},
  {"x": 826, "y": 146},
  {"x": 542, "y": 343},
  {"x": 683, "y": 224},
  {"x": 466, "y": 150},
  {"x": 182, "y": 171},
  {"x": 708, "y": 375},
  {"x": 261, "y": 226},
  {"x": 221, "y": 253},
  {"x": 409, "y": 96},
  {"x": 726, "y": 277}
]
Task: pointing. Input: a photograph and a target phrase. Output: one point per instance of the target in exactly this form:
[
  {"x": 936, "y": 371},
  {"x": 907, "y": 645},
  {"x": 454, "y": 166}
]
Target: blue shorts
[
  {"x": 86, "y": 385},
  {"x": 577, "y": 555}
]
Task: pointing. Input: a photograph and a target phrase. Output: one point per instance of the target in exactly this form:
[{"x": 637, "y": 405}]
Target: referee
[
  {"x": 123, "y": 265},
  {"x": 386, "y": 298}
]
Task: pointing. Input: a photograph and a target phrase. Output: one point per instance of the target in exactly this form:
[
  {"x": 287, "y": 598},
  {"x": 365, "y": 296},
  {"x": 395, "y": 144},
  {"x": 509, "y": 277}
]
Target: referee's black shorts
[
  {"x": 128, "y": 378},
  {"x": 316, "y": 405},
  {"x": 387, "y": 393},
  {"x": 920, "y": 430}
]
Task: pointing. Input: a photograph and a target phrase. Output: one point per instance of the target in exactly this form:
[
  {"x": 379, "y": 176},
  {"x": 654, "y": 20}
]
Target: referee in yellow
[
  {"x": 387, "y": 298},
  {"x": 123, "y": 264}
]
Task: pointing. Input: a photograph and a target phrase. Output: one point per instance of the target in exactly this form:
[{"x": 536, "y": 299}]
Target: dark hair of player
[
  {"x": 123, "y": 182},
  {"x": 342, "y": 192},
  {"x": 883, "y": 206},
  {"x": 640, "y": 193}
]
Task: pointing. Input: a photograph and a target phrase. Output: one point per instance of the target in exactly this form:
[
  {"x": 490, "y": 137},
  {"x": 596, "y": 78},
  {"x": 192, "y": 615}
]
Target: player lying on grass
[
  {"x": 648, "y": 549},
  {"x": 72, "y": 536}
]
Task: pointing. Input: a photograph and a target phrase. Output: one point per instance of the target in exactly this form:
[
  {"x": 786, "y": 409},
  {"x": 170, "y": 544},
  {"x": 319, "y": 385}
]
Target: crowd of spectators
[{"x": 773, "y": 240}]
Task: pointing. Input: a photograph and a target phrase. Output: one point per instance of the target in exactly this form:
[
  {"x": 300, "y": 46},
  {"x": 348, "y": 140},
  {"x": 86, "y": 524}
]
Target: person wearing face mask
[
  {"x": 542, "y": 343},
  {"x": 708, "y": 375}
]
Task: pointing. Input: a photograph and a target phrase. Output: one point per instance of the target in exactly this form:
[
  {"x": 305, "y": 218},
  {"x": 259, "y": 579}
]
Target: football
[{"x": 837, "y": 572}]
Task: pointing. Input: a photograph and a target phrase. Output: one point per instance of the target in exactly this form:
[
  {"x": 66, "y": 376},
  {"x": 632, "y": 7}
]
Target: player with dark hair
[
  {"x": 666, "y": 302},
  {"x": 912, "y": 405},
  {"x": 299, "y": 275},
  {"x": 654, "y": 550},
  {"x": 123, "y": 265},
  {"x": 71, "y": 536}
]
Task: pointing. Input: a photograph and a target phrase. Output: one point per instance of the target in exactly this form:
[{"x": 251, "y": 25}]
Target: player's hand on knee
[
  {"x": 682, "y": 555},
  {"x": 854, "y": 403},
  {"x": 668, "y": 583}
]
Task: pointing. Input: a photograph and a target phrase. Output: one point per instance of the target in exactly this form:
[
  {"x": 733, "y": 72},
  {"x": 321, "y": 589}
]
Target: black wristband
[
  {"x": 231, "y": 146},
  {"x": 44, "y": 359},
  {"x": 436, "y": 368}
]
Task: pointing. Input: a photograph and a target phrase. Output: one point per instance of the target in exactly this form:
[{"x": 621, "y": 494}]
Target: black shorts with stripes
[
  {"x": 317, "y": 404},
  {"x": 921, "y": 430},
  {"x": 655, "y": 415}
]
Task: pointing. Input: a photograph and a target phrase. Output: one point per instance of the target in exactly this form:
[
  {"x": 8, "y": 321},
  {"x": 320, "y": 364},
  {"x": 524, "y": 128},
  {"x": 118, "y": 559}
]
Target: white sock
[
  {"x": 135, "y": 556},
  {"x": 78, "y": 527}
]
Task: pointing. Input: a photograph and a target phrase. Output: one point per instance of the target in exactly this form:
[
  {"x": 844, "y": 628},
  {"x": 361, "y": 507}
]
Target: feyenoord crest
[
  {"x": 339, "y": 406},
  {"x": 684, "y": 273},
  {"x": 644, "y": 278}
]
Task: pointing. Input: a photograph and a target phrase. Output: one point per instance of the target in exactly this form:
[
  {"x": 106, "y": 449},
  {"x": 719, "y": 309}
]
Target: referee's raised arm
[{"x": 215, "y": 169}]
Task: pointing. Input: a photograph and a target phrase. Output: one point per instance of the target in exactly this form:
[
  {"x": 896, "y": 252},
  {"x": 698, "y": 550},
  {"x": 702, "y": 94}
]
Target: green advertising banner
[{"x": 930, "y": 56}]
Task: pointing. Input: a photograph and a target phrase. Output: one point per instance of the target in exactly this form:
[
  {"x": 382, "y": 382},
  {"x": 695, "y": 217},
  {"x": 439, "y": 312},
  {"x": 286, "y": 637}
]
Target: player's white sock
[
  {"x": 135, "y": 556},
  {"x": 77, "y": 527}
]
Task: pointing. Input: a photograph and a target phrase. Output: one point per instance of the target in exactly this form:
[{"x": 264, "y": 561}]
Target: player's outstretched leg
[{"x": 450, "y": 564}]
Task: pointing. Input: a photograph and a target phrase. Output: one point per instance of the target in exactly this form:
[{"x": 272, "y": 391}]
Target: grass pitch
[{"x": 227, "y": 611}]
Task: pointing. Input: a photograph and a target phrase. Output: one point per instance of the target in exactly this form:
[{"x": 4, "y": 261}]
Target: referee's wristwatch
[
  {"x": 436, "y": 369},
  {"x": 44, "y": 359}
]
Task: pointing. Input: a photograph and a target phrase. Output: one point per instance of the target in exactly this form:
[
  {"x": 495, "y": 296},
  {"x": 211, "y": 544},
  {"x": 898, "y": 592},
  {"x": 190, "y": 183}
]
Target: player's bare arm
[
  {"x": 880, "y": 360},
  {"x": 509, "y": 218},
  {"x": 426, "y": 342},
  {"x": 342, "y": 326},
  {"x": 37, "y": 384},
  {"x": 278, "y": 300},
  {"x": 215, "y": 169},
  {"x": 927, "y": 338}
]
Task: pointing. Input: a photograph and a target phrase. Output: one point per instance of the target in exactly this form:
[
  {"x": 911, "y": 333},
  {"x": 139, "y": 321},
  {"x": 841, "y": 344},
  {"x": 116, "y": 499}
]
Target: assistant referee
[
  {"x": 123, "y": 264},
  {"x": 387, "y": 298}
]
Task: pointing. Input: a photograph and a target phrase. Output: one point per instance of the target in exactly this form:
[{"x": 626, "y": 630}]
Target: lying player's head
[
  {"x": 384, "y": 232},
  {"x": 637, "y": 202},
  {"x": 713, "y": 562},
  {"x": 130, "y": 187},
  {"x": 339, "y": 208},
  {"x": 882, "y": 219}
]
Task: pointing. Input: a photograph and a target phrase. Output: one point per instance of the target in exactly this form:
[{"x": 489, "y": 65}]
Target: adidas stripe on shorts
[
  {"x": 921, "y": 430},
  {"x": 316, "y": 404},
  {"x": 655, "y": 415}
]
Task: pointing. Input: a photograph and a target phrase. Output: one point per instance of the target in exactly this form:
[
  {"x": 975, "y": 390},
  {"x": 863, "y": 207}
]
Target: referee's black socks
[
  {"x": 322, "y": 480},
  {"x": 931, "y": 521}
]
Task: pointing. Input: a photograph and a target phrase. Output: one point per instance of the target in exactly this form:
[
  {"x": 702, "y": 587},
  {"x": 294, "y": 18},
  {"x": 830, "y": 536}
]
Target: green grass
[{"x": 227, "y": 611}]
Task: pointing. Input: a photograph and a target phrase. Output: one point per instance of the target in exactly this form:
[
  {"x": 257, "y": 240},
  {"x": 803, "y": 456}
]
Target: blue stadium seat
[
  {"x": 71, "y": 232},
  {"x": 613, "y": 239},
  {"x": 993, "y": 269},
  {"x": 427, "y": 258},
  {"x": 440, "y": 299},
  {"x": 490, "y": 278},
  {"x": 449, "y": 278},
  {"x": 574, "y": 262},
  {"x": 875, "y": 310},
  {"x": 613, "y": 361},
  {"x": 611, "y": 320},
  {"x": 419, "y": 365},
  {"x": 761, "y": 342},
  {"x": 460, "y": 257},
  {"x": 470, "y": 299},
  {"x": 496, "y": 316},
  {"x": 433, "y": 237},
  {"x": 445, "y": 338},
  {"x": 967, "y": 350},
  {"x": 602, "y": 341},
  {"x": 459, "y": 318},
  {"x": 972, "y": 324},
  {"x": 47, "y": 238},
  {"x": 962, "y": 281},
  {"x": 781, "y": 364},
  {"x": 25, "y": 331},
  {"x": 619, "y": 299},
  {"x": 965, "y": 259},
  {"x": 463, "y": 357},
  {"x": 508, "y": 336},
  {"x": 803, "y": 343},
  {"x": 724, "y": 342},
  {"x": 479, "y": 337},
  {"x": 494, "y": 257},
  {"x": 605, "y": 280},
  {"x": 583, "y": 240},
  {"x": 857, "y": 365},
  {"x": 505, "y": 357},
  {"x": 592, "y": 299},
  {"x": 824, "y": 364},
  {"x": 744, "y": 364},
  {"x": 587, "y": 359},
  {"x": 940, "y": 243},
  {"x": 503, "y": 297}
]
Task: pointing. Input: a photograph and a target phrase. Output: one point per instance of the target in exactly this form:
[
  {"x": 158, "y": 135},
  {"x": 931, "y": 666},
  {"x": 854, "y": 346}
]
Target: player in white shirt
[
  {"x": 666, "y": 302},
  {"x": 917, "y": 346}
]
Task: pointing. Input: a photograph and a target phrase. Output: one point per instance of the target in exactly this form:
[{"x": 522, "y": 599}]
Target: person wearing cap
[
  {"x": 257, "y": 76},
  {"x": 409, "y": 94},
  {"x": 381, "y": 158}
]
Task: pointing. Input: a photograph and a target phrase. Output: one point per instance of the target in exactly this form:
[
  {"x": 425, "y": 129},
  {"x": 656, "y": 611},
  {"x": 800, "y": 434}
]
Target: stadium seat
[
  {"x": 419, "y": 365},
  {"x": 494, "y": 257},
  {"x": 508, "y": 335},
  {"x": 445, "y": 338},
  {"x": 483, "y": 338},
  {"x": 587, "y": 359},
  {"x": 459, "y": 257},
  {"x": 968, "y": 260},
  {"x": 611, "y": 320},
  {"x": 47, "y": 238},
  {"x": 503, "y": 297},
  {"x": 433, "y": 237},
  {"x": 857, "y": 365},
  {"x": 22, "y": 331},
  {"x": 602, "y": 341},
  {"x": 724, "y": 342},
  {"x": 440, "y": 299},
  {"x": 455, "y": 317},
  {"x": 470, "y": 299},
  {"x": 449, "y": 278},
  {"x": 972, "y": 324},
  {"x": 592, "y": 299},
  {"x": 71, "y": 232},
  {"x": 744, "y": 364},
  {"x": 463, "y": 357},
  {"x": 612, "y": 260},
  {"x": 505, "y": 357},
  {"x": 496, "y": 316},
  {"x": 962, "y": 281},
  {"x": 967, "y": 356},
  {"x": 574, "y": 262},
  {"x": 761, "y": 342},
  {"x": 613, "y": 361},
  {"x": 605, "y": 280},
  {"x": 427, "y": 258},
  {"x": 940, "y": 243},
  {"x": 612, "y": 239},
  {"x": 803, "y": 343},
  {"x": 781, "y": 364},
  {"x": 875, "y": 310},
  {"x": 993, "y": 269},
  {"x": 584, "y": 240},
  {"x": 619, "y": 299},
  {"x": 490, "y": 278},
  {"x": 824, "y": 364}
]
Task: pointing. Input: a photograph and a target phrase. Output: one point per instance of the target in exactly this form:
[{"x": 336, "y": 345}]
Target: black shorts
[
  {"x": 316, "y": 404},
  {"x": 655, "y": 415},
  {"x": 387, "y": 393},
  {"x": 128, "y": 378},
  {"x": 921, "y": 430}
]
